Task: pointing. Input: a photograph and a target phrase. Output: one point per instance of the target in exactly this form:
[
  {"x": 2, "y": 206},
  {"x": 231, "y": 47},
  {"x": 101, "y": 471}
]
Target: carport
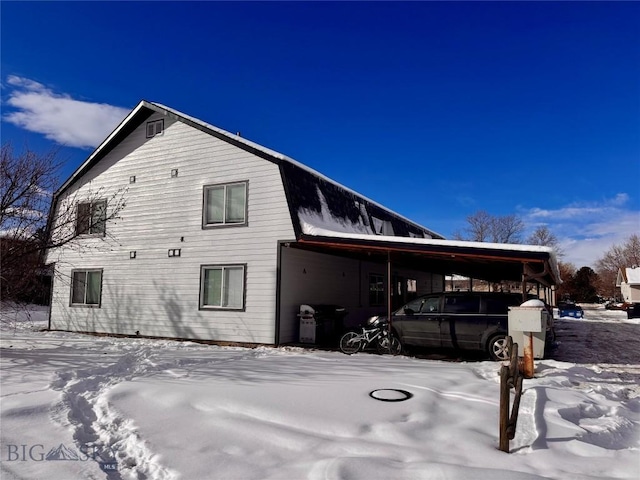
[{"x": 532, "y": 266}]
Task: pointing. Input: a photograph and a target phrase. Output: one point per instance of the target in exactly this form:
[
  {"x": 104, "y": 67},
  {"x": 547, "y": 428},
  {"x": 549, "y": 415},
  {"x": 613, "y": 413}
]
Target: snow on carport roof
[{"x": 491, "y": 261}]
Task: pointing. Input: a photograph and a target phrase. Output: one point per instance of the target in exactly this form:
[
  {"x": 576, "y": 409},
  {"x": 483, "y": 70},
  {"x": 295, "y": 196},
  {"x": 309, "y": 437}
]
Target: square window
[
  {"x": 155, "y": 128},
  {"x": 91, "y": 218},
  {"x": 222, "y": 287},
  {"x": 86, "y": 287},
  {"x": 225, "y": 204}
]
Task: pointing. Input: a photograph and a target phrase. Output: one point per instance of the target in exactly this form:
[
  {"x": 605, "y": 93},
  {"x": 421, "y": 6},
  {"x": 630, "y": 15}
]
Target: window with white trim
[
  {"x": 155, "y": 128},
  {"x": 222, "y": 286},
  {"x": 225, "y": 204},
  {"x": 86, "y": 287},
  {"x": 91, "y": 218}
]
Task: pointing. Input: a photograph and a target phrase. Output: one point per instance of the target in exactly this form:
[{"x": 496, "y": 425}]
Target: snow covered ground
[{"x": 85, "y": 407}]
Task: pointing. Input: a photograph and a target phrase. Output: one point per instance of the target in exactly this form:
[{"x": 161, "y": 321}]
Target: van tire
[{"x": 497, "y": 347}]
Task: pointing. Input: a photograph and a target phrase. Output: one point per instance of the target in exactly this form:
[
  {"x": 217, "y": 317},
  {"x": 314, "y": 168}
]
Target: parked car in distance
[
  {"x": 475, "y": 321},
  {"x": 617, "y": 305},
  {"x": 568, "y": 308}
]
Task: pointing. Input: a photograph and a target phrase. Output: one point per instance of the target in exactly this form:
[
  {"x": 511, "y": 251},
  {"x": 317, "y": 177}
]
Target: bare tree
[
  {"x": 28, "y": 181},
  {"x": 483, "y": 227},
  {"x": 26, "y": 231},
  {"x": 480, "y": 225},
  {"x": 544, "y": 237},
  {"x": 507, "y": 229}
]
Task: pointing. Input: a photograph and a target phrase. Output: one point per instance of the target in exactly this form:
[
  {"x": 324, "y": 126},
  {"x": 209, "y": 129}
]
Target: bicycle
[{"x": 374, "y": 331}]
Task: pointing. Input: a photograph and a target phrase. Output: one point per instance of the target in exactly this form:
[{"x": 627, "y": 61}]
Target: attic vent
[{"x": 155, "y": 128}]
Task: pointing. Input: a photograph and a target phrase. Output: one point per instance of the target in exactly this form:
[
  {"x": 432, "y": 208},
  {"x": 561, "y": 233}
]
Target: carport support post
[{"x": 389, "y": 286}]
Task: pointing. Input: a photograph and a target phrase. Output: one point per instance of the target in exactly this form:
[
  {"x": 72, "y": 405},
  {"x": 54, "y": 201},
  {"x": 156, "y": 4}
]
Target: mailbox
[
  {"x": 528, "y": 323},
  {"x": 527, "y": 319}
]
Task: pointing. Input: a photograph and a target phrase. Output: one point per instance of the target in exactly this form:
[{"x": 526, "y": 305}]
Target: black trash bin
[{"x": 321, "y": 324}]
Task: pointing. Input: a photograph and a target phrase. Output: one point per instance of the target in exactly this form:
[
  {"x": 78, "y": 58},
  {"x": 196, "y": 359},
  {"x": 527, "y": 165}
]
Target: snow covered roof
[
  {"x": 489, "y": 261},
  {"x": 630, "y": 276},
  {"x": 328, "y": 214},
  {"x": 317, "y": 199},
  {"x": 313, "y": 197}
]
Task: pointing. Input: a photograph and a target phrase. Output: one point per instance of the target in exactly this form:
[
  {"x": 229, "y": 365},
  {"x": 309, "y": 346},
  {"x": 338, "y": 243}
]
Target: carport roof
[{"x": 488, "y": 261}]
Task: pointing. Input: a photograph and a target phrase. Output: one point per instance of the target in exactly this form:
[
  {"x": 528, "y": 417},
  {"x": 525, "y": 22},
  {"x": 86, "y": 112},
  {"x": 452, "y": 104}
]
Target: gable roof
[
  {"x": 313, "y": 198},
  {"x": 630, "y": 276}
]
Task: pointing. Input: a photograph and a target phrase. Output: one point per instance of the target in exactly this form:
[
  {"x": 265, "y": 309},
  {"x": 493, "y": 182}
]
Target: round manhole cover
[{"x": 391, "y": 395}]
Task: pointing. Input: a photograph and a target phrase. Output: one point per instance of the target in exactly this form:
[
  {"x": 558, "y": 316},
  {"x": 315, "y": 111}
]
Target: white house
[
  {"x": 628, "y": 281},
  {"x": 197, "y": 249},
  {"x": 214, "y": 237}
]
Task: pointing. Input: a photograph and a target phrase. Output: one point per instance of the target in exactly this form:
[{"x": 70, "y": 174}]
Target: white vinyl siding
[{"x": 158, "y": 295}]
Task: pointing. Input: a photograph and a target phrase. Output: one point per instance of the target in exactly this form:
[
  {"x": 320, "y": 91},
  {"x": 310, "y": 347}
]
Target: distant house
[
  {"x": 628, "y": 280},
  {"x": 222, "y": 239}
]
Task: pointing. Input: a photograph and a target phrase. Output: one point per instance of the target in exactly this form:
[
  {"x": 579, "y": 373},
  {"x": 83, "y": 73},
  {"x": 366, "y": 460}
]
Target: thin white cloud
[
  {"x": 584, "y": 210},
  {"x": 586, "y": 231},
  {"x": 69, "y": 122}
]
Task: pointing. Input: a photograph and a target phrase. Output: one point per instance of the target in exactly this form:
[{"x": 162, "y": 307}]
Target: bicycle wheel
[
  {"x": 389, "y": 344},
  {"x": 350, "y": 343}
]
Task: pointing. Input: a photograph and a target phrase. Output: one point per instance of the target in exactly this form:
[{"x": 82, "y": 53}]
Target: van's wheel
[{"x": 498, "y": 348}]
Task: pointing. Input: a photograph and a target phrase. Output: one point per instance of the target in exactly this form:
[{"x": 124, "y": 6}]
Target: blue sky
[{"x": 434, "y": 109}]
